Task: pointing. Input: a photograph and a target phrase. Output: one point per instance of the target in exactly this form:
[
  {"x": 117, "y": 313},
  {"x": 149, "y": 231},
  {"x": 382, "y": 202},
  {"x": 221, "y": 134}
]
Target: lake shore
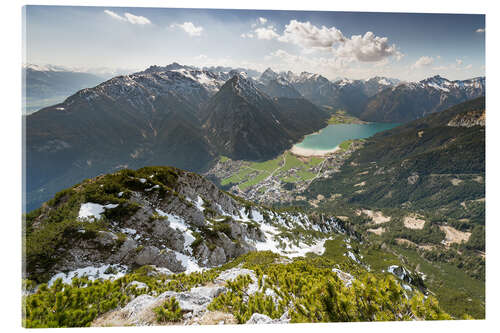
[{"x": 312, "y": 152}]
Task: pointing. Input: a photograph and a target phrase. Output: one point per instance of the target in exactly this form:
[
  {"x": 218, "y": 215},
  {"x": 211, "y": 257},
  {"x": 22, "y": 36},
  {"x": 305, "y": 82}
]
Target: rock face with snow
[
  {"x": 165, "y": 217},
  {"x": 350, "y": 95},
  {"x": 410, "y": 101}
]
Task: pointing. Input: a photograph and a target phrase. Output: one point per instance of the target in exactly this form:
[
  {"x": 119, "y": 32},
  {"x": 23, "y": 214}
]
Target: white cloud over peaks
[
  {"x": 367, "y": 48},
  {"x": 262, "y": 20},
  {"x": 306, "y": 35},
  {"x": 423, "y": 62},
  {"x": 189, "y": 28},
  {"x": 266, "y": 33},
  {"x": 364, "y": 48},
  {"x": 480, "y": 30},
  {"x": 127, "y": 17}
]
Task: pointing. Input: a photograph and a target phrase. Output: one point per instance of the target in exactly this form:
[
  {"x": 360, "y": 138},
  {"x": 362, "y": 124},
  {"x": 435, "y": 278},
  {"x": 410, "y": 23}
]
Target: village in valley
[{"x": 281, "y": 179}]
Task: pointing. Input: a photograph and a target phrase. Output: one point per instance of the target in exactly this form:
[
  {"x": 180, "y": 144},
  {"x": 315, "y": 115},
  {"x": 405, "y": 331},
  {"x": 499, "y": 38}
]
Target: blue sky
[{"x": 335, "y": 44}]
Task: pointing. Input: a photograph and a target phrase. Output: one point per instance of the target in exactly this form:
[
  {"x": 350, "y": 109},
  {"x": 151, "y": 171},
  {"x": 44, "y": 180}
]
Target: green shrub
[{"x": 169, "y": 311}]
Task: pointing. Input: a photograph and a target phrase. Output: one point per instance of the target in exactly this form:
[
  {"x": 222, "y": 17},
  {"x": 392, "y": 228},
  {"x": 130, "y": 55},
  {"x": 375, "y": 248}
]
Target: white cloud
[
  {"x": 459, "y": 62},
  {"x": 127, "y": 17},
  {"x": 469, "y": 66},
  {"x": 364, "y": 48},
  {"x": 262, "y": 20},
  {"x": 247, "y": 35},
  {"x": 480, "y": 30},
  {"x": 114, "y": 15},
  {"x": 189, "y": 27},
  {"x": 305, "y": 35},
  {"x": 367, "y": 48},
  {"x": 424, "y": 61},
  {"x": 266, "y": 33},
  {"x": 137, "y": 19}
]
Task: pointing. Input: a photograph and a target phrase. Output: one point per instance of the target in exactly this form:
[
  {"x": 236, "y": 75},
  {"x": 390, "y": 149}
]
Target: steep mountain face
[
  {"x": 276, "y": 85},
  {"x": 280, "y": 87},
  {"x": 158, "y": 216},
  {"x": 44, "y": 86},
  {"x": 241, "y": 121},
  {"x": 350, "y": 95},
  {"x": 435, "y": 163},
  {"x": 147, "y": 118},
  {"x": 313, "y": 87},
  {"x": 268, "y": 75},
  {"x": 377, "y": 84},
  {"x": 411, "y": 101}
]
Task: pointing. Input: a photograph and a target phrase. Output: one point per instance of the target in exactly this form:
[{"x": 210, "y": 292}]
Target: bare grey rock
[
  {"x": 258, "y": 319},
  {"x": 173, "y": 238},
  {"x": 106, "y": 238},
  {"x": 217, "y": 257},
  {"x": 151, "y": 255},
  {"x": 138, "y": 285},
  {"x": 344, "y": 277},
  {"x": 125, "y": 252}
]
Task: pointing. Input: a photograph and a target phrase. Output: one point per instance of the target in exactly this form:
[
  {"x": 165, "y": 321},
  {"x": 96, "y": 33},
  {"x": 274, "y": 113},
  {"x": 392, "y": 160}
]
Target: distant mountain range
[
  {"x": 410, "y": 101},
  {"x": 45, "y": 85},
  {"x": 186, "y": 117}
]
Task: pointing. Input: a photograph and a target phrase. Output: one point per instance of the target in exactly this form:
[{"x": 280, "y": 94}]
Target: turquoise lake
[{"x": 332, "y": 135}]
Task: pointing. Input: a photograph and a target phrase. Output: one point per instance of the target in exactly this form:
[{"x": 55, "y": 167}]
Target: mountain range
[
  {"x": 185, "y": 116},
  {"x": 121, "y": 232},
  {"x": 134, "y": 231}
]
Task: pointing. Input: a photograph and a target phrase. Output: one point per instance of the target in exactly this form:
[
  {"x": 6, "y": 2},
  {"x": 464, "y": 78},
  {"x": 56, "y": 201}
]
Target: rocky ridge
[{"x": 168, "y": 218}]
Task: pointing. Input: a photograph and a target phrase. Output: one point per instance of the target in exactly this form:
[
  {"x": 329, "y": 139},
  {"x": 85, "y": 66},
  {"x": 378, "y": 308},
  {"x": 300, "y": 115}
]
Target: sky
[{"x": 355, "y": 45}]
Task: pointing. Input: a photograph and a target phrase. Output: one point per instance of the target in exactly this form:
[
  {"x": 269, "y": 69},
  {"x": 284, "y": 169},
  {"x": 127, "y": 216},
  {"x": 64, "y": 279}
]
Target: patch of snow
[
  {"x": 142, "y": 180},
  {"x": 407, "y": 287},
  {"x": 384, "y": 82},
  {"x": 152, "y": 188},
  {"x": 257, "y": 216},
  {"x": 435, "y": 86},
  {"x": 189, "y": 263},
  {"x": 93, "y": 211},
  {"x": 352, "y": 256},
  {"x": 177, "y": 222},
  {"x": 120, "y": 194},
  {"x": 129, "y": 231},
  {"x": 199, "y": 204},
  {"x": 93, "y": 273}
]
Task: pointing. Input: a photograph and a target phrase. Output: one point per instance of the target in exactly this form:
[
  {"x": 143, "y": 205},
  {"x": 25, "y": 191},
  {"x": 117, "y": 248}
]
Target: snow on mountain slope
[{"x": 173, "y": 219}]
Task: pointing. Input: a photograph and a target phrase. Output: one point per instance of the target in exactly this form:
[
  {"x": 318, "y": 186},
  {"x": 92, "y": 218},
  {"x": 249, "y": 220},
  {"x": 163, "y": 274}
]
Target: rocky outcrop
[
  {"x": 140, "y": 312},
  {"x": 182, "y": 226},
  {"x": 469, "y": 119},
  {"x": 258, "y": 319}
]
